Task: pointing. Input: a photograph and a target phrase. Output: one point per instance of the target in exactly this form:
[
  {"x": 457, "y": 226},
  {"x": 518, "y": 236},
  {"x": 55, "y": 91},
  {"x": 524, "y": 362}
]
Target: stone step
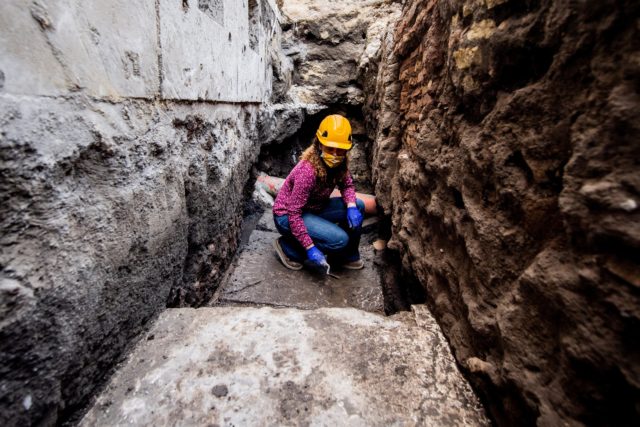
[
  {"x": 259, "y": 278},
  {"x": 264, "y": 366}
]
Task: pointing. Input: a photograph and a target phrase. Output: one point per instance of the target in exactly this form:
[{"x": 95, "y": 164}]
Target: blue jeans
[{"x": 328, "y": 229}]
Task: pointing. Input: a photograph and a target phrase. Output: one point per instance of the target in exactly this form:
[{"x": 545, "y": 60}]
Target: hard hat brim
[{"x": 328, "y": 143}]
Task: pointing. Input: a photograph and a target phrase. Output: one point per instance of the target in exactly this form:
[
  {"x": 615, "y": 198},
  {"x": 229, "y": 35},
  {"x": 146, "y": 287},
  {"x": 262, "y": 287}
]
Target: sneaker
[
  {"x": 286, "y": 261},
  {"x": 354, "y": 265}
]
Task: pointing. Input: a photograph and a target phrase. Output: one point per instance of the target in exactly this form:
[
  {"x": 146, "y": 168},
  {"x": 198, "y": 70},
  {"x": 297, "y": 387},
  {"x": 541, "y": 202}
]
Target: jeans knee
[
  {"x": 282, "y": 224},
  {"x": 338, "y": 241}
]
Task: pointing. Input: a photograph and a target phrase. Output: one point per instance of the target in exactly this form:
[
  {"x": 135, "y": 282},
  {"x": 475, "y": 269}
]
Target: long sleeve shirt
[{"x": 300, "y": 193}]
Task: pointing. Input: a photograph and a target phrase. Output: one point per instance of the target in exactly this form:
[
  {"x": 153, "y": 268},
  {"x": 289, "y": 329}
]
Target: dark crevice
[
  {"x": 517, "y": 160},
  {"x": 400, "y": 288},
  {"x": 458, "y": 201},
  {"x": 508, "y": 10}
]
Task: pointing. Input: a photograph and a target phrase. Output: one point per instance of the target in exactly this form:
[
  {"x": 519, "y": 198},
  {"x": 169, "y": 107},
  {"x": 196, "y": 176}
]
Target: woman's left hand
[{"x": 354, "y": 217}]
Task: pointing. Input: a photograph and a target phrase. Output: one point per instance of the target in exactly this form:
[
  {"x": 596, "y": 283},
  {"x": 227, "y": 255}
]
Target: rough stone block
[
  {"x": 205, "y": 57},
  {"x": 248, "y": 366},
  {"x": 70, "y": 46}
]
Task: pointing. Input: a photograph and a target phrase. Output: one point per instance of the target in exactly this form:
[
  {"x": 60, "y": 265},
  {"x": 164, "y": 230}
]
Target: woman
[{"x": 314, "y": 226}]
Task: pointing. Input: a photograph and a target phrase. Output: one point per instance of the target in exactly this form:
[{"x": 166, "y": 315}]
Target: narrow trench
[
  {"x": 399, "y": 290},
  {"x": 131, "y": 210}
]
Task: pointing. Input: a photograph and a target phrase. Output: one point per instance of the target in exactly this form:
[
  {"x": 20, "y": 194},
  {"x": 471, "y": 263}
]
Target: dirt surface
[
  {"x": 507, "y": 156},
  {"x": 259, "y": 278}
]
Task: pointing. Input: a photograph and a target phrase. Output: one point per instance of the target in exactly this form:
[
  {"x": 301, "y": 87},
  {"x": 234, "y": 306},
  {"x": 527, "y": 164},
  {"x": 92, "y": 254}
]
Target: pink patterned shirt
[{"x": 300, "y": 193}]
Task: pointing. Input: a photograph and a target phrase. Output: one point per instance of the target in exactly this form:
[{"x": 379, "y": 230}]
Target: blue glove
[
  {"x": 316, "y": 257},
  {"x": 354, "y": 217}
]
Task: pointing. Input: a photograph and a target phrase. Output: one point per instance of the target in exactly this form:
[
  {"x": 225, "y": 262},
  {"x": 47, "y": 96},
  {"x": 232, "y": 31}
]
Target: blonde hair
[{"x": 312, "y": 155}]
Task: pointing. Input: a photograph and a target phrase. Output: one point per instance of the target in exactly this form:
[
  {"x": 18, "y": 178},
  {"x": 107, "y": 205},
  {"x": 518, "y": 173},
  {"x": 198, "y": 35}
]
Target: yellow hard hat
[{"x": 335, "y": 131}]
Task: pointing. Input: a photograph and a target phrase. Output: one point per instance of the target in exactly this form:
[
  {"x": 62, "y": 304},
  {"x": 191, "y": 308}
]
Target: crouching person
[{"x": 313, "y": 225}]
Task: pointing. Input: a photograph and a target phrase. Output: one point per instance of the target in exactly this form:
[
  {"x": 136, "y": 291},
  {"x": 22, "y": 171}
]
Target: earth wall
[{"x": 506, "y": 155}]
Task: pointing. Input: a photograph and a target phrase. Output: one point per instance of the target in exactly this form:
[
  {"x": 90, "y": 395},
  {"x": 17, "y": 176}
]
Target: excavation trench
[
  {"x": 221, "y": 344},
  {"x": 282, "y": 347},
  {"x": 383, "y": 286},
  {"x": 501, "y": 138}
]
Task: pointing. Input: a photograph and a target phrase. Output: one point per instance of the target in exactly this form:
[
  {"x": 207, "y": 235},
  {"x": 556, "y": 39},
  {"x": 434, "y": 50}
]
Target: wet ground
[{"x": 257, "y": 277}]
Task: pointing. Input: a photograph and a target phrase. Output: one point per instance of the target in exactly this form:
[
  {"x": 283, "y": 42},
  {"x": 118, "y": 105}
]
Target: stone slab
[
  {"x": 206, "y": 52},
  {"x": 109, "y": 63},
  {"x": 52, "y": 48},
  {"x": 27, "y": 63},
  {"x": 189, "y": 50},
  {"x": 263, "y": 366},
  {"x": 259, "y": 278}
]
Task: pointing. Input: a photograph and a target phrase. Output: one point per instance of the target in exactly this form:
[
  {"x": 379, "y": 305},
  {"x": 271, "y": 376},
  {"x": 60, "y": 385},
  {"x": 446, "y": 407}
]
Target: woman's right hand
[{"x": 317, "y": 257}]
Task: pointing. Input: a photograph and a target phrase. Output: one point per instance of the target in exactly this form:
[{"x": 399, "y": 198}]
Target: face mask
[{"x": 331, "y": 160}]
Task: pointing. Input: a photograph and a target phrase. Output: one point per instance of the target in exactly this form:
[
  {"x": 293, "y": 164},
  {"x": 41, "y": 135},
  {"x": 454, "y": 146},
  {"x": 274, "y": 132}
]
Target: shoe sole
[
  {"x": 284, "y": 259},
  {"x": 359, "y": 267}
]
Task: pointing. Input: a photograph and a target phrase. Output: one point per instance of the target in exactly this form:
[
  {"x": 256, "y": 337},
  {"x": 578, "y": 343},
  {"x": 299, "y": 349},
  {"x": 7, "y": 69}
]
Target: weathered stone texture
[
  {"x": 511, "y": 175},
  {"x": 118, "y": 194},
  {"x": 248, "y": 366},
  {"x": 95, "y": 236},
  {"x": 139, "y": 48},
  {"x": 327, "y": 41},
  {"x": 205, "y": 57},
  {"x": 331, "y": 46}
]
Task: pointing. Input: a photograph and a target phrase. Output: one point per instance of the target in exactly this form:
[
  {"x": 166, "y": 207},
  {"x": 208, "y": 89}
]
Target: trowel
[
  {"x": 323, "y": 270},
  {"x": 330, "y": 274}
]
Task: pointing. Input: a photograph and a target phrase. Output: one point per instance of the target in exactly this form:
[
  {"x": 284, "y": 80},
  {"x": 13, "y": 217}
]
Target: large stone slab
[
  {"x": 212, "y": 50},
  {"x": 27, "y": 63},
  {"x": 259, "y": 278},
  {"x": 109, "y": 49},
  {"x": 248, "y": 366}
]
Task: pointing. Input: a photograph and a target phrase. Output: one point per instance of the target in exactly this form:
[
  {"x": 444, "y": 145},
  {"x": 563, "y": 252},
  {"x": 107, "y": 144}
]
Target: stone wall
[
  {"x": 128, "y": 129},
  {"x": 138, "y": 49},
  {"x": 507, "y": 156},
  {"x": 330, "y": 45}
]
